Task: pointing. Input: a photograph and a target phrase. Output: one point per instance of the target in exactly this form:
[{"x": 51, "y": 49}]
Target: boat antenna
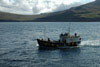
[{"x": 69, "y": 27}]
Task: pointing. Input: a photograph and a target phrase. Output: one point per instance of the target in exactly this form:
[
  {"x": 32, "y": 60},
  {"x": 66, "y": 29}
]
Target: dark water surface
[{"x": 18, "y": 48}]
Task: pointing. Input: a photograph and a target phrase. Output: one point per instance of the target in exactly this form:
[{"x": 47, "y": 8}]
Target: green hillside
[{"x": 85, "y": 13}]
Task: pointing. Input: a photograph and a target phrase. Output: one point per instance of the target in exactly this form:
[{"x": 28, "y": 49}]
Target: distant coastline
[{"x": 85, "y": 13}]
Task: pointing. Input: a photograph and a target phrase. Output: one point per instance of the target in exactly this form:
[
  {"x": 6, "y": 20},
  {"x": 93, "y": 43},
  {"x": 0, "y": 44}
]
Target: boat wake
[
  {"x": 90, "y": 43},
  {"x": 37, "y": 44}
]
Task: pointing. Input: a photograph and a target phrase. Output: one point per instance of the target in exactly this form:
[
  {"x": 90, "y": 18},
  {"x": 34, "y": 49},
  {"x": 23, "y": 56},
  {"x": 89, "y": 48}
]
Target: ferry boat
[{"x": 65, "y": 40}]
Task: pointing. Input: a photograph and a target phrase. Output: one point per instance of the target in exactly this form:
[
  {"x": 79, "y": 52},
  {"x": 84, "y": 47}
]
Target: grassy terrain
[{"x": 86, "y": 13}]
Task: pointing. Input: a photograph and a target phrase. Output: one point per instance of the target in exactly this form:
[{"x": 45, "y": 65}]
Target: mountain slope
[
  {"x": 6, "y": 17},
  {"x": 86, "y": 13}
]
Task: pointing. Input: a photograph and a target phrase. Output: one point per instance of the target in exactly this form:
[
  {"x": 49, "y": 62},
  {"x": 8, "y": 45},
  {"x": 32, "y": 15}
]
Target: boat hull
[{"x": 50, "y": 44}]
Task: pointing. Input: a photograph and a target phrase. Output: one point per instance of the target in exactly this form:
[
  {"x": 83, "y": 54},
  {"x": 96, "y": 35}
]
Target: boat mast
[{"x": 69, "y": 27}]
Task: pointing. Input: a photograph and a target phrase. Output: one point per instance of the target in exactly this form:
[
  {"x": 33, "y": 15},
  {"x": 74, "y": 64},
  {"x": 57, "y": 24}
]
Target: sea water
[{"x": 18, "y": 47}]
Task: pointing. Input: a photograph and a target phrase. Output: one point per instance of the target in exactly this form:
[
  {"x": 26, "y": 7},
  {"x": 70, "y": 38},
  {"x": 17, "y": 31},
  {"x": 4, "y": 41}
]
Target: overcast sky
[{"x": 38, "y": 6}]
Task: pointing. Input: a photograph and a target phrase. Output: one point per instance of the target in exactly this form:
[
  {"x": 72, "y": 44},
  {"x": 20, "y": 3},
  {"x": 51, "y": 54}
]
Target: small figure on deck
[
  {"x": 59, "y": 40},
  {"x": 75, "y": 34},
  {"x": 42, "y": 38},
  {"x": 61, "y": 35},
  {"x": 48, "y": 39},
  {"x": 66, "y": 34}
]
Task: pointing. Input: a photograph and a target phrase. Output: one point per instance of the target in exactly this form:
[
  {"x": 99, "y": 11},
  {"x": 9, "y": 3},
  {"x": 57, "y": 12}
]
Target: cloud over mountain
[{"x": 38, "y": 6}]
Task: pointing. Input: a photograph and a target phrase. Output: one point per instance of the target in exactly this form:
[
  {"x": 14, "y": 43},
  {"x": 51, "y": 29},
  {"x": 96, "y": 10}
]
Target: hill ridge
[{"x": 85, "y": 13}]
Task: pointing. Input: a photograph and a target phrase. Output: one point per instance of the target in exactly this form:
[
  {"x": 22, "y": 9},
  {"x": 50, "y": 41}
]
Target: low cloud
[{"x": 38, "y": 6}]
